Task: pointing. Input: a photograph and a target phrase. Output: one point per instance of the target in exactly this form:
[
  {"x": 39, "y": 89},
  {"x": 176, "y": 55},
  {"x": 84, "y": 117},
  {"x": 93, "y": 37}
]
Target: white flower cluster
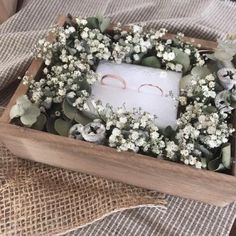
[
  {"x": 167, "y": 55},
  {"x": 72, "y": 78},
  {"x": 203, "y": 89},
  {"x": 171, "y": 150},
  {"x": 200, "y": 123},
  {"x": 134, "y": 131},
  {"x": 131, "y": 45}
]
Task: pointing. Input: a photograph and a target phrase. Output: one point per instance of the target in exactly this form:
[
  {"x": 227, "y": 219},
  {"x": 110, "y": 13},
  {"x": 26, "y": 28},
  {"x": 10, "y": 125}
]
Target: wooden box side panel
[{"x": 138, "y": 170}]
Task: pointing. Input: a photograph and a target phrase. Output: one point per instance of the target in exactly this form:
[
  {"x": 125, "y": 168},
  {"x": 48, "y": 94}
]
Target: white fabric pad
[{"x": 133, "y": 86}]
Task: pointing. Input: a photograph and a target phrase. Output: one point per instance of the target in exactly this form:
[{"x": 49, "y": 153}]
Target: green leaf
[
  {"x": 40, "y": 123},
  {"x": 50, "y": 125},
  {"x": 30, "y": 115},
  {"x": 82, "y": 119},
  {"x": 24, "y": 102},
  {"x": 226, "y": 156},
  {"x": 16, "y": 111},
  {"x": 213, "y": 66},
  {"x": 205, "y": 152},
  {"x": 169, "y": 132},
  {"x": 90, "y": 111},
  {"x": 73, "y": 114},
  {"x": 223, "y": 161},
  {"x": 223, "y": 55},
  {"x": 200, "y": 71},
  {"x": 84, "y": 85},
  {"x": 186, "y": 82},
  {"x": 233, "y": 96},
  {"x": 92, "y": 23},
  {"x": 211, "y": 56},
  {"x": 151, "y": 61},
  {"x": 69, "y": 111},
  {"x": 182, "y": 58},
  {"x": 62, "y": 127},
  {"x": 210, "y": 109},
  {"x": 215, "y": 164},
  {"x": 204, "y": 162},
  {"x": 104, "y": 25},
  {"x": 233, "y": 104},
  {"x": 72, "y": 50}
]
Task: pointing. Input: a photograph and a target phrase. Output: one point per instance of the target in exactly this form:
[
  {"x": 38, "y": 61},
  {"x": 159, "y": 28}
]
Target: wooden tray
[{"x": 139, "y": 170}]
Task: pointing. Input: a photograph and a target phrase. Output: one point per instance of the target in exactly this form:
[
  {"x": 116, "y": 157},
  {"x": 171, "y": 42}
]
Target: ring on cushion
[
  {"x": 151, "y": 85},
  {"x": 114, "y": 77}
]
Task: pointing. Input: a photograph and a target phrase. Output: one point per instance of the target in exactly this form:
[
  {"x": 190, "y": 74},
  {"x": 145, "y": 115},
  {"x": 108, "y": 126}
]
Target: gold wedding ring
[
  {"x": 114, "y": 77},
  {"x": 150, "y": 85}
]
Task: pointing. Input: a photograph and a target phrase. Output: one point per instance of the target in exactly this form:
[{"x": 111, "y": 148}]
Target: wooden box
[{"x": 139, "y": 170}]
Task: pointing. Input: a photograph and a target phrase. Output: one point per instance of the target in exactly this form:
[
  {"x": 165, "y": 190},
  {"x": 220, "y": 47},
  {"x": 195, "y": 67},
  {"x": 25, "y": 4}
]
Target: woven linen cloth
[{"x": 207, "y": 19}]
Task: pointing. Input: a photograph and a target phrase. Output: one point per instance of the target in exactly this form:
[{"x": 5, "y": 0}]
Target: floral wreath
[{"x": 59, "y": 102}]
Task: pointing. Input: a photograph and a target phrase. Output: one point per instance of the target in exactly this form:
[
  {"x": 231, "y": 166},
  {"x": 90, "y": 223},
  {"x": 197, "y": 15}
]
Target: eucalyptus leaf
[
  {"x": 72, "y": 113},
  {"x": 50, "y": 125},
  {"x": 233, "y": 104},
  {"x": 169, "y": 132},
  {"x": 212, "y": 66},
  {"x": 223, "y": 161},
  {"x": 62, "y": 127},
  {"x": 215, "y": 164},
  {"x": 210, "y": 109},
  {"x": 89, "y": 110},
  {"x": 82, "y": 119},
  {"x": 40, "y": 123},
  {"x": 92, "y": 23},
  {"x": 182, "y": 58},
  {"x": 55, "y": 108},
  {"x": 205, "y": 152},
  {"x": 211, "y": 56},
  {"x": 16, "y": 111},
  {"x": 151, "y": 61},
  {"x": 233, "y": 96},
  {"x": 204, "y": 162},
  {"x": 186, "y": 82},
  {"x": 224, "y": 52},
  {"x": 24, "y": 102},
  {"x": 72, "y": 50},
  {"x": 69, "y": 111},
  {"x": 30, "y": 115},
  {"x": 104, "y": 25},
  {"x": 200, "y": 71},
  {"x": 226, "y": 156},
  {"x": 223, "y": 55},
  {"x": 84, "y": 85}
]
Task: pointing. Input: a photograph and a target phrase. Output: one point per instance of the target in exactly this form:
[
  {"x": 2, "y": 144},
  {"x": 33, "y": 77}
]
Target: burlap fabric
[{"x": 41, "y": 200}]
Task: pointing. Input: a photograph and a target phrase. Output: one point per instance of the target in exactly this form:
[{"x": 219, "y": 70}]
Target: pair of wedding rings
[{"x": 120, "y": 79}]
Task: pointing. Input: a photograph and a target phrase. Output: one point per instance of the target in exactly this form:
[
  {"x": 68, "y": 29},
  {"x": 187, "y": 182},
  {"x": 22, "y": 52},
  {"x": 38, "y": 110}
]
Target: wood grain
[
  {"x": 127, "y": 167},
  {"x": 131, "y": 168}
]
